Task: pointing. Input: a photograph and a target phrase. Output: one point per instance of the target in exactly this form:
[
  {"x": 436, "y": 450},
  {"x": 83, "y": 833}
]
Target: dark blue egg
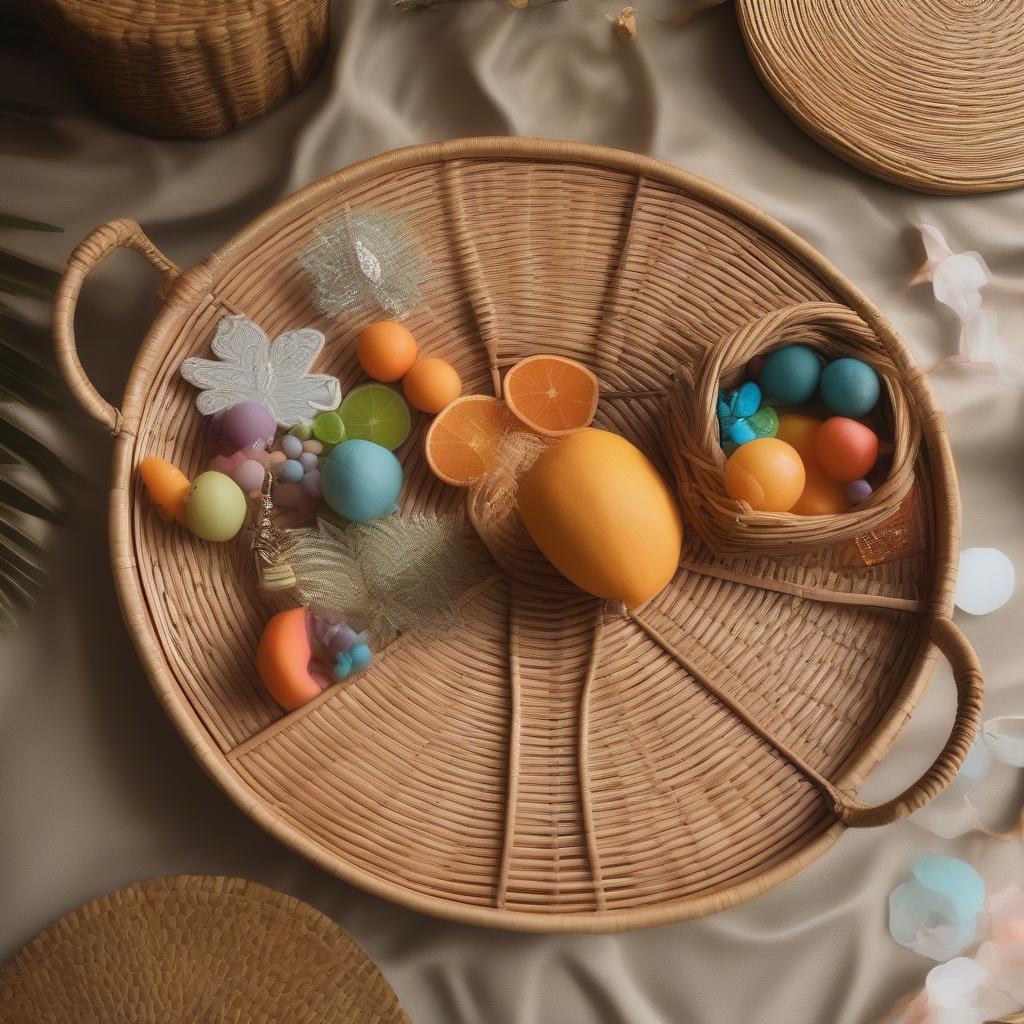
[
  {"x": 790, "y": 375},
  {"x": 850, "y": 387}
]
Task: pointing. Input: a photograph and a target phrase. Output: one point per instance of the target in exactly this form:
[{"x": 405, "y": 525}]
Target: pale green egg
[{"x": 215, "y": 507}]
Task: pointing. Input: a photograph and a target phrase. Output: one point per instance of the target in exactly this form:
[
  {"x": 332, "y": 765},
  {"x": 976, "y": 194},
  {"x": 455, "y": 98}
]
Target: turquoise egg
[
  {"x": 790, "y": 375},
  {"x": 361, "y": 480},
  {"x": 850, "y": 387}
]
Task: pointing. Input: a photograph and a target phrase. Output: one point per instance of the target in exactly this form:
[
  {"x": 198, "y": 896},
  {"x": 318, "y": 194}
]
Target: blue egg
[
  {"x": 790, "y": 375},
  {"x": 291, "y": 446},
  {"x": 361, "y": 480},
  {"x": 291, "y": 472},
  {"x": 850, "y": 387},
  {"x": 361, "y": 656}
]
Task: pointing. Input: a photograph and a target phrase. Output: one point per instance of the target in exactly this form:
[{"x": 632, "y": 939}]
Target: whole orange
[
  {"x": 386, "y": 350},
  {"x": 846, "y": 449},
  {"x": 431, "y": 385},
  {"x": 768, "y": 474}
]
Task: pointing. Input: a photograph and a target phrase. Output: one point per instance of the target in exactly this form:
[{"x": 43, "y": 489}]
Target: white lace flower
[{"x": 248, "y": 368}]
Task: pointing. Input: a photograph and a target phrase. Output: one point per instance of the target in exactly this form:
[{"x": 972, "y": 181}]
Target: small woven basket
[
  {"x": 694, "y": 448},
  {"x": 188, "y": 68}
]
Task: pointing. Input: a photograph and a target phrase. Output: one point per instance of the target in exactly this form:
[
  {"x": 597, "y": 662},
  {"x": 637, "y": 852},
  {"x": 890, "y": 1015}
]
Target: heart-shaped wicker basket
[{"x": 553, "y": 762}]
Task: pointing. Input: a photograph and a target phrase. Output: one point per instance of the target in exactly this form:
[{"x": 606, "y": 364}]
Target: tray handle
[
  {"x": 970, "y": 688},
  {"x": 88, "y": 255}
]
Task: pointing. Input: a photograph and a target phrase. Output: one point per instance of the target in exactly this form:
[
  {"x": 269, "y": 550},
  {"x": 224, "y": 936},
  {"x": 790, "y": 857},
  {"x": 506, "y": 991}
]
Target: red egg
[{"x": 846, "y": 450}]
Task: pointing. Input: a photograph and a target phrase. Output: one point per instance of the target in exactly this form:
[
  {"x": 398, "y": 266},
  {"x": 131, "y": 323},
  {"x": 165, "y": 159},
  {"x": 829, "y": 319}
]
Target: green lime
[
  {"x": 329, "y": 428},
  {"x": 303, "y": 430},
  {"x": 375, "y": 412}
]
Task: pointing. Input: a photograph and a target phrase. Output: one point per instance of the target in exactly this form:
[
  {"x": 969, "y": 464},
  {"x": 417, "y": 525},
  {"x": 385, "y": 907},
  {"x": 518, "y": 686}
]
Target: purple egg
[
  {"x": 247, "y": 425},
  {"x": 249, "y": 475},
  {"x": 308, "y": 461},
  {"x": 291, "y": 446},
  {"x": 858, "y": 492},
  {"x": 291, "y": 472},
  {"x": 311, "y": 483}
]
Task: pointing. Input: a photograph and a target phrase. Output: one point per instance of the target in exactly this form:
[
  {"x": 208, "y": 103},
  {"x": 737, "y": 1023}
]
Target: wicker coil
[
  {"x": 729, "y": 527},
  {"x": 926, "y": 93},
  {"x": 195, "y": 948},
  {"x": 188, "y": 68},
  {"x": 552, "y": 762}
]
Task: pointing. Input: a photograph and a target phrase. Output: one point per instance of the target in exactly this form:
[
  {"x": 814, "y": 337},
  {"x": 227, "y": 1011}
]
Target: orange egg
[
  {"x": 431, "y": 385},
  {"x": 284, "y": 659},
  {"x": 386, "y": 350},
  {"x": 821, "y": 496},
  {"x": 799, "y": 430},
  {"x": 768, "y": 474},
  {"x": 846, "y": 450}
]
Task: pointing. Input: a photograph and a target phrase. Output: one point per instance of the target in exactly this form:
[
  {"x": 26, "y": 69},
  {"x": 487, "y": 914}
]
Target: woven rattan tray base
[
  {"x": 195, "y": 948},
  {"x": 925, "y": 93},
  {"x": 552, "y": 763}
]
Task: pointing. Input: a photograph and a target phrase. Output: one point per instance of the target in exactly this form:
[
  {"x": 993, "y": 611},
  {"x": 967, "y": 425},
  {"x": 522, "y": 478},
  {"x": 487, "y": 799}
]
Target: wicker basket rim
[{"x": 197, "y": 282}]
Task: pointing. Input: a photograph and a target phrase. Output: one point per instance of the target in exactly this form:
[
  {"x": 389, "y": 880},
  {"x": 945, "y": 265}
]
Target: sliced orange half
[
  {"x": 551, "y": 394},
  {"x": 462, "y": 442}
]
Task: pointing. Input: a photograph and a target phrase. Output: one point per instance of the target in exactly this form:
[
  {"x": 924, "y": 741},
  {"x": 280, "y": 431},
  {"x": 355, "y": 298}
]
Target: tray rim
[{"x": 197, "y": 282}]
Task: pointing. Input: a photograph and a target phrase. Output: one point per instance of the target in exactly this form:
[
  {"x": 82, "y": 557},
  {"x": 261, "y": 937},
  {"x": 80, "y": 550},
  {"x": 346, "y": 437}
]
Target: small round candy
[
  {"x": 247, "y": 425},
  {"x": 311, "y": 484},
  {"x": 767, "y": 474},
  {"x": 858, "y": 491},
  {"x": 850, "y": 387},
  {"x": 307, "y": 460},
  {"x": 313, "y": 445},
  {"x": 431, "y": 385},
  {"x": 291, "y": 472},
  {"x": 329, "y": 428},
  {"x": 291, "y": 446},
  {"x": 845, "y": 449},
  {"x": 342, "y": 666},
  {"x": 790, "y": 375},
  {"x": 386, "y": 350},
  {"x": 361, "y": 656},
  {"x": 275, "y": 461},
  {"x": 249, "y": 475}
]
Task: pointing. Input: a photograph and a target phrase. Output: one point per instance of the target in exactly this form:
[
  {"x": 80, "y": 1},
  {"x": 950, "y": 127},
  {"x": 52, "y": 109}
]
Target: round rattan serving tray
[
  {"x": 925, "y": 93},
  {"x": 196, "y": 948},
  {"x": 553, "y": 762}
]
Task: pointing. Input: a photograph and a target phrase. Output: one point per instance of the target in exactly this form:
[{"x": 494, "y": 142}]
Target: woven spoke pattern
[{"x": 926, "y": 93}]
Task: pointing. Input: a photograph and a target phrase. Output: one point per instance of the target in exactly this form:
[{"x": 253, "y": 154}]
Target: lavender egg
[
  {"x": 249, "y": 475},
  {"x": 858, "y": 492},
  {"x": 247, "y": 425}
]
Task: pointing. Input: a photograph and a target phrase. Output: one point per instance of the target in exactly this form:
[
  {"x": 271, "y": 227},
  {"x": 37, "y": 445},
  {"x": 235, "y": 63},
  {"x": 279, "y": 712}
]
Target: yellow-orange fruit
[
  {"x": 768, "y": 474},
  {"x": 603, "y": 516},
  {"x": 431, "y": 385},
  {"x": 284, "y": 659},
  {"x": 166, "y": 485},
  {"x": 386, "y": 350}
]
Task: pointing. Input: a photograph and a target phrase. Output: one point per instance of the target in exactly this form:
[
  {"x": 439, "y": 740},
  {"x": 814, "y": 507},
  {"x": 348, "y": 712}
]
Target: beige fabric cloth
[{"x": 96, "y": 787}]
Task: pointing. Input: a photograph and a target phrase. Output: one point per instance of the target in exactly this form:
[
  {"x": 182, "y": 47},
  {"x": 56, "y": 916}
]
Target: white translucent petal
[
  {"x": 958, "y": 280},
  {"x": 949, "y": 815},
  {"x": 1006, "y": 916},
  {"x": 1004, "y": 738},
  {"x": 985, "y": 580},
  {"x": 974, "y": 768},
  {"x": 955, "y": 984},
  {"x": 935, "y": 245}
]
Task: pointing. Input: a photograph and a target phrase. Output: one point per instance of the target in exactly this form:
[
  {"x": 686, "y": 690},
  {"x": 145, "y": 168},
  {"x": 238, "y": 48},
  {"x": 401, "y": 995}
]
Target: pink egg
[
  {"x": 276, "y": 461},
  {"x": 249, "y": 476},
  {"x": 311, "y": 484}
]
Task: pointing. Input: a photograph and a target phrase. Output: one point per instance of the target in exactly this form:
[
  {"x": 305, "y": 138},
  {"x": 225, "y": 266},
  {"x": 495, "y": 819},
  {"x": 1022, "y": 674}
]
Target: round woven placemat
[
  {"x": 195, "y": 948},
  {"x": 925, "y": 93}
]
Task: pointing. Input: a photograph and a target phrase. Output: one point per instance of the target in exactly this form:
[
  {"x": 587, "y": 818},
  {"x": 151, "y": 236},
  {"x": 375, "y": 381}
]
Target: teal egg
[
  {"x": 361, "y": 480},
  {"x": 850, "y": 387},
  {"x": 790, "y": 375}
]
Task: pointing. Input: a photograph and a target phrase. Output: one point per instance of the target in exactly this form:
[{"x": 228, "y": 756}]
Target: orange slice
[
  {"x": 462, "y": 442},
  {"x": 551, "y": 395}
]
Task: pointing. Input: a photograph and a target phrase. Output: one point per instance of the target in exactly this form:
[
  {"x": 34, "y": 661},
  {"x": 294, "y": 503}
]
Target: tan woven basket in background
[
  {"x": 553, "y": 762},
  {"x": 188, "y": 68},
  {"x": 694, "y": 450}
]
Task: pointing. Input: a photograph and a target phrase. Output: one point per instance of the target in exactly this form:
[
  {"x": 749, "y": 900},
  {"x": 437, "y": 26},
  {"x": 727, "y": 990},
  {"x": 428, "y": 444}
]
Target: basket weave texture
[
  {"x": 196, "y": 948},
  {"x": 188, "y": 68},
  {"x": 926, "y": 93},
  {"x": 552, "y": 762}
]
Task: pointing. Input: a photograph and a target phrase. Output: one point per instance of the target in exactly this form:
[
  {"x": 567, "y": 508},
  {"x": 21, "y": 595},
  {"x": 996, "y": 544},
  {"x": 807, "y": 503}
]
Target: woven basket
[
  {"x": 926, "y": 93},
  {"x": 552, "y": 763},
  {"x": 188, "y": 68},
  {"x": 694, "y": 450},
  {"x": 195, "y": 948}
]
